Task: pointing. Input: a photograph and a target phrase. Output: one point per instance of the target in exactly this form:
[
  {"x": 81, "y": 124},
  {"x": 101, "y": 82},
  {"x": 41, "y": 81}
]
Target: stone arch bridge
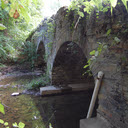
[{"x": 64, "y": 51}]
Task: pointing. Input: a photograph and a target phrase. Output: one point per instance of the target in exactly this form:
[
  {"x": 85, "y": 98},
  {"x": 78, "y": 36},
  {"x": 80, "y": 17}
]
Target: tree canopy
[{"x": 99, "y": 5}]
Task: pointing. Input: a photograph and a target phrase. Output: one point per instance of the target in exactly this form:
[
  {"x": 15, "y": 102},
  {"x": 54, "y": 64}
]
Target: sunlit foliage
[
  {"x": 17, "y": 18},
  {"x": 81, "y": 6}
]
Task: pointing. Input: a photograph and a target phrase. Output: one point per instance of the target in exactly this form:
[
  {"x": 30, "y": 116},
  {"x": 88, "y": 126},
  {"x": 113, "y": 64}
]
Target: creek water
[{"x": 62, "y": 111}]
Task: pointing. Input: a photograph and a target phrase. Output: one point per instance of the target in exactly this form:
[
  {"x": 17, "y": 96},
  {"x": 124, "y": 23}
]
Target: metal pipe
[{"x": 95, "y": 93}]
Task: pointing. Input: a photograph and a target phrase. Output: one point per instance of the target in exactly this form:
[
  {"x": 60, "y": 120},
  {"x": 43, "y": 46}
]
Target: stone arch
[
  {"x": 68, "y": 64},
  {"x": 41, "y": 62},
  {"x": 88, "y": 33},
  {"x": 68, "y": 69}
]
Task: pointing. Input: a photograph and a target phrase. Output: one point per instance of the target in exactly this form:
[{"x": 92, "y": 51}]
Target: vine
[
  {"x": 82, "y": 7},
  {"x": 101, "y": 47},
  {"x": 94, "y": 54}
]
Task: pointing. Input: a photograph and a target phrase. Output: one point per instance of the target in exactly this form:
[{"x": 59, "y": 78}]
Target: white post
[{"x": 95, "y": 93}]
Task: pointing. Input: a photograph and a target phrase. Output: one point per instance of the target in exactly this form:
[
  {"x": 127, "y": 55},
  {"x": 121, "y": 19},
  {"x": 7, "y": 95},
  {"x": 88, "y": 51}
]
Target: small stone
[
  {"x": 0, "y": 74},
  {"x": 1, "y": 86},
  {"x": 15, "y": 94}
]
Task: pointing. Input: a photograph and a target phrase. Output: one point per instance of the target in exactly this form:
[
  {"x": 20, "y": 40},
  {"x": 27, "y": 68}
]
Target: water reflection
[
  {"x": 63, "y": 111},
  {"x": 20, "y": 108}
]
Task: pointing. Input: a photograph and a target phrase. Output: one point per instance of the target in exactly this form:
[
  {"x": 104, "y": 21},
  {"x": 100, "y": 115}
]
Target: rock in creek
[{"x": 15, "y": 94}]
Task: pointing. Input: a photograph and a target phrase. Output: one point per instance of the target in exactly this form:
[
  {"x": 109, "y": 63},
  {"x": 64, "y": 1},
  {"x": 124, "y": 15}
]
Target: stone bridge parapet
[{"x": 62, "y": 60}]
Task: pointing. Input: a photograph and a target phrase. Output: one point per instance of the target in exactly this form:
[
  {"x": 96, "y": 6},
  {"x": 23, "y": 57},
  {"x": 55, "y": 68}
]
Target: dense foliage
[
  {"x": 81, "y": 6},
  {"x": 14, "y": 17},
  {"x": 17, "y": 19}
]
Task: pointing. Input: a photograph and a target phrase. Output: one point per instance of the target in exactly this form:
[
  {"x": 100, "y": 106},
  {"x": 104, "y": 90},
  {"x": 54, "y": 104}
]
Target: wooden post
[{"x": 95, "y": 93}]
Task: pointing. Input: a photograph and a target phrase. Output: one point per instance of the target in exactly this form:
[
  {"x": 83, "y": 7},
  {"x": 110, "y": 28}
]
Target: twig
[
  {"x": 5, "y": 105},
  {"x": 77, "y": 22},
  {"x": 75, "y": 26}
]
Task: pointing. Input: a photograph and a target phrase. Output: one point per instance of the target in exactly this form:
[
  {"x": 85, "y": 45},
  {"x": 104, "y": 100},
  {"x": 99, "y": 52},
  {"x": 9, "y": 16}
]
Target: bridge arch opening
[
  {"x": 68, "y": 70},
  {"x": 41, "y": 62},
  {"x": 68, "y": 65}
]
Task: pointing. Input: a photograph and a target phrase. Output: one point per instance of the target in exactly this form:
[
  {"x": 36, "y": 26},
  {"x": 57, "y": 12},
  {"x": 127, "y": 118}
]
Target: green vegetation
[
  {"x": 16, "y": 21},
  {"x": 5, "y": 124},
  {"x": 38, "y": 82},
  {"x": 28, "y": 53},
  {"x": 81, "y": 6},
  {"x": 51, "y": 28},
  {"x": 94, "y": 54},
  {"x": 85, "y": 7},
  {"x": 2, "y": 108}
]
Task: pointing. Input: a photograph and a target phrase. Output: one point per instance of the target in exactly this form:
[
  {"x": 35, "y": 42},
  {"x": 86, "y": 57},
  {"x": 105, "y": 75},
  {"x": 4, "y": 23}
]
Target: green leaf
[
  {"x": 109, "y": 31},
  {"x": 11, "y": 12},
  {"x": 35, "y": 2},
  {"x": 50, "y": 125},
  {"x": 99, "y": 43},
  {"x": 111, "y": 10},
  {"x": 105, "y": 46},
  {"x": 96, "y": 53},
  {"x": 81, "y": 14},
  {"x": 24, "y": 13},
  {"x": 2, "y": 108},
  {"x": 15, "y": 124},
  {"x": 1, "y": 121},
  {"x": 125, "y": 3},
  {"x": 89, "y": 62},
  {"x": 92, "y": 52},
  {"x": 113, "y": 3},
  {"x": 27, "y": 2},
  {"x": 86, "y": 66},
  {"x": 117, "y": 39},
  {"x": 3, "y": 4},
  {"x": 6, "y": 123},
  {"x": 21, "y": 125},
  {"x": 105, "y": 9},
  {"x": 2, "y": 27}
]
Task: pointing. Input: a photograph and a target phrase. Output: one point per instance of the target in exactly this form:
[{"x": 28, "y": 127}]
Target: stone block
[
  {"x": 81, "y": 87},
  {"x": 94, "y": 123},
  {"x": 49, "y": 90}
]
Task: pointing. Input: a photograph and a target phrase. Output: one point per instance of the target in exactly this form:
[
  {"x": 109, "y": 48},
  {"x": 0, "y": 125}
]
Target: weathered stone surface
[
  {"x": 81, "y": 87},
  {"x": 94, "y": 122},
  {"x": 52, "y": 90},
  {"x": 49, "y": 90},
  {"x": 113, "y": 95}
]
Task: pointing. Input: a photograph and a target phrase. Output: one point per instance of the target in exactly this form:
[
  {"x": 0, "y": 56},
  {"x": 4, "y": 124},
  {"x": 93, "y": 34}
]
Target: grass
[{"x": 36, "y": 83}]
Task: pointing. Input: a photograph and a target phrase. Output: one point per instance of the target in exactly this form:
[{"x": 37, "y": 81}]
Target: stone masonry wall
[{"x": 113, "y": 95}]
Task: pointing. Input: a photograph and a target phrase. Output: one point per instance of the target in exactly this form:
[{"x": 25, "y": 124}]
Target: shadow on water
[{"x": 62, "y": 111}]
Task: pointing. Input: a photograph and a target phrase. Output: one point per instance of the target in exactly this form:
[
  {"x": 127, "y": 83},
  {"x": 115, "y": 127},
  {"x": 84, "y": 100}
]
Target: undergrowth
[
  {"x": 28, "y": 53},
  {"x": 36, "y": 83}
]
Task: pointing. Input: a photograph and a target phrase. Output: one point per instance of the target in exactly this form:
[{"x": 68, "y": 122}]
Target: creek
[{"x": 62, "y": 111}]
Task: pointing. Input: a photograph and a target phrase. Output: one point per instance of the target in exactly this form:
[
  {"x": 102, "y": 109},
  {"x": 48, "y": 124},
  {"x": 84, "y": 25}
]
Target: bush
[
  {"x": 29, "y": 53},
  {"x": 36, "y": 83}
]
